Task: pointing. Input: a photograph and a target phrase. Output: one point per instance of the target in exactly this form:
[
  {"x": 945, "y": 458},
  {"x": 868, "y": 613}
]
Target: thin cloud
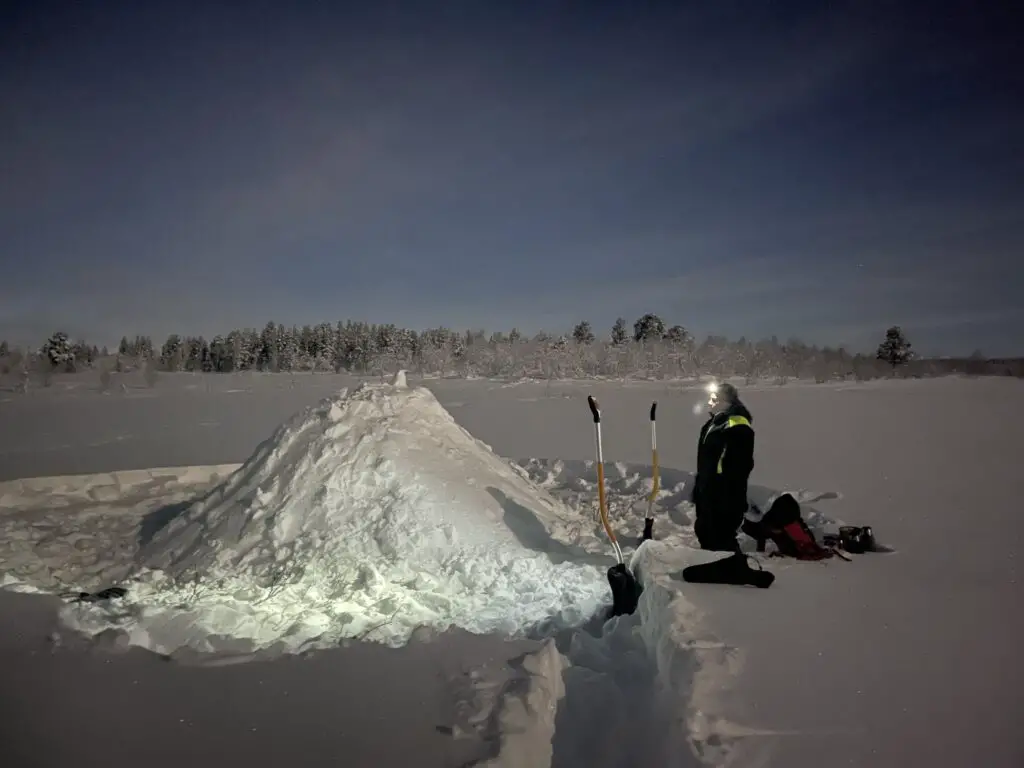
[{"x": 491, "y": 172}]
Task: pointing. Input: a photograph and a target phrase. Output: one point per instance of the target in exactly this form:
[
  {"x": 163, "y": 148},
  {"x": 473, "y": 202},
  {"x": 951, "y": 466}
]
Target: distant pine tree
[
  {"x": 59, "y": 351},
  {"x": 582, "y": 333},
  {"x": 172, "y": 354},
  {"x": 266, "y": 357},
  {"x": 648, "y": 328},
  {"x": 619, "y": 332},
  {"x": 895, "y": 350},
  {"x": 678, "y": 336}
]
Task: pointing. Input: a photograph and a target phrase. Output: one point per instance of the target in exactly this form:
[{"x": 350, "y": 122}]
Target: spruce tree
[{"x": 895, "y": 350}]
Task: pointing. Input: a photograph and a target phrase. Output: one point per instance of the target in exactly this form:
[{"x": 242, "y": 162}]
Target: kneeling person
[{"x": 725, "y": 459}]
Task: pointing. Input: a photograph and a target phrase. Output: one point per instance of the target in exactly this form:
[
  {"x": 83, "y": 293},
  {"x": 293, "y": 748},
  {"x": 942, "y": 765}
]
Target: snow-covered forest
[{"x": 649, "y": 350}]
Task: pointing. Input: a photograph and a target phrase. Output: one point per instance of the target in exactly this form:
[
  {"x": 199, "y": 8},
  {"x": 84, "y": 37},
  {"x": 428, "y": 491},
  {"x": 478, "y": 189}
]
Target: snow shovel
[
  {"x": 625, "y": 588},
  {"x": 649, "y": 519}
]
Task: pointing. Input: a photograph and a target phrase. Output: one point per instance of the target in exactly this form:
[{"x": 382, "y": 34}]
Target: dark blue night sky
[{"x": 814, "y": 169}]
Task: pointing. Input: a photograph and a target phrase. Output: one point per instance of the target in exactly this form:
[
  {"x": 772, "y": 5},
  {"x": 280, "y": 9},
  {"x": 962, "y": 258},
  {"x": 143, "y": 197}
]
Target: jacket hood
[{"x": 735, "y": 408}]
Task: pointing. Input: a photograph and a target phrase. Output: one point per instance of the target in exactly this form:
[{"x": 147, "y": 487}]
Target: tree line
[{"x": 649, "y": 349}]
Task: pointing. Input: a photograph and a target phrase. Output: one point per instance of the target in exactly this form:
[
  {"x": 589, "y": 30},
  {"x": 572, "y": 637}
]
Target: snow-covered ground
[{"x": 883, "y": 660}]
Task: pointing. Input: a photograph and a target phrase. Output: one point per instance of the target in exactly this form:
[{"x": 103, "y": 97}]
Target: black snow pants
[{"x": 719, "y": 517}]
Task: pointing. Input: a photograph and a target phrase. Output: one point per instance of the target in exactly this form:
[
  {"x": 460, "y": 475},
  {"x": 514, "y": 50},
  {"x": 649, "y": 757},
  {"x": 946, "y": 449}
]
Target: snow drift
[{"x": 366, "y": 516}]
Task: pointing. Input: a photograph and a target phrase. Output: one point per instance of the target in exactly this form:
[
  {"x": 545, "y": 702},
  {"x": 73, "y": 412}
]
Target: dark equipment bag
[{"x": 783, "y": 524}]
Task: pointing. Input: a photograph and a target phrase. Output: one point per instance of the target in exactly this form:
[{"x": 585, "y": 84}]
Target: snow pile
[{"x": 365, "y": 516}]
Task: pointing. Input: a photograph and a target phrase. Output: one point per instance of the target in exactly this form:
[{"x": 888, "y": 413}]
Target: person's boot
[
  {"x": 733, "y": 569},
  {"x": 757, "y": 532}
]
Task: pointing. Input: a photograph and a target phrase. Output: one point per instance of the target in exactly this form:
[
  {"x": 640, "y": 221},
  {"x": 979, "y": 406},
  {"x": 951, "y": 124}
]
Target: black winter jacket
[{"x": 725, "y": 459}]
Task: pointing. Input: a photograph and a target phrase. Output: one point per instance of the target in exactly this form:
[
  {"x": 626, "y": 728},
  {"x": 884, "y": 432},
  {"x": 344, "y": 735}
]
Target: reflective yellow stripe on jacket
[{"x": 732, "y": 421}]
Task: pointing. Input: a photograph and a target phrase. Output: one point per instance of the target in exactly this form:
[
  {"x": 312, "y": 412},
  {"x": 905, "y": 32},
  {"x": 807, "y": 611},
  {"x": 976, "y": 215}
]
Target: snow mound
[{"x": 365, "y": 516}]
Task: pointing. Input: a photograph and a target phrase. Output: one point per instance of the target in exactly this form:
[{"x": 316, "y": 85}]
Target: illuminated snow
[{"x": 368, "y": 515}]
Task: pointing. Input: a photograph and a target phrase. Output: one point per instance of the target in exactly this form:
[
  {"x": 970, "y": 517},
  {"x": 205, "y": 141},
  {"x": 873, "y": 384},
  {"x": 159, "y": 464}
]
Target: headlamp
[{"x": 712, "y": 394}]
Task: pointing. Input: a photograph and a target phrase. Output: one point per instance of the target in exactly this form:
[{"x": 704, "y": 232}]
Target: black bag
[
  {"x": 783, "y": 524},
  {"x": 857, "y": 539}
]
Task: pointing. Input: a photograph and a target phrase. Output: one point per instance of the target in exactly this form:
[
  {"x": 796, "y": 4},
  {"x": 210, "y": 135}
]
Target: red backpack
[{"x": 783, "y": 524}]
